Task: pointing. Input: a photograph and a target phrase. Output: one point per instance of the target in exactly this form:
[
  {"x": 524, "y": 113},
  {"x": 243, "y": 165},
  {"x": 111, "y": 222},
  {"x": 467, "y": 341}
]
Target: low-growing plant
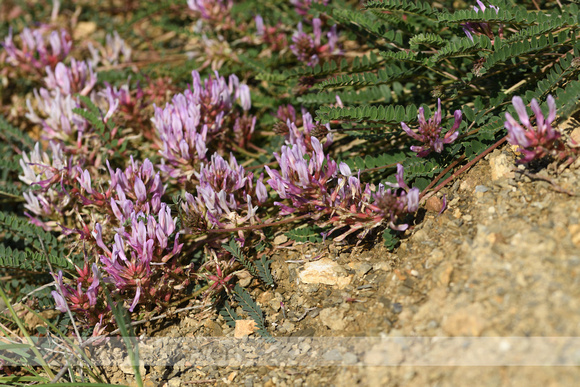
[{"x": 158, "y": 169}]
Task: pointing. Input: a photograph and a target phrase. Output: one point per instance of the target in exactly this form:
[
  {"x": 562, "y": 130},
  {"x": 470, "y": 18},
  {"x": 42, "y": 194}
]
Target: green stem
[{"x": 26, "y": 335}]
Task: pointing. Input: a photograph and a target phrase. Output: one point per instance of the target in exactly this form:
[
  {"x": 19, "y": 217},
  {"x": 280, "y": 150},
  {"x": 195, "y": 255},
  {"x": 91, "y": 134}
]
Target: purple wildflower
[
  {"x": 211, "y": 10},
  {"x": 45, "y": 171},
  {"x": 289, "y": 127},
  {"x": 136, "y": 253},
  {"x": 303, "y": 182},
  {"x": 480, "y": 28},
  {"x": 396, "y": 202},
  {"x": 285, "y": 113},
  {"x": 34, "y": 53},
  {"x": 430, "y": 132},
  {"x": 114, "y": 51},
  {"x": 309, "y": 48},
  {"x": 138, "y": 188},
  {"x": 224, "y": 193},
  {"x": 193, "y": 119},
  {"x": 534, "y": 143},
  {"x": 84, "y": 303},
  {"x": 274, "y": 36},
  {"x": 302, "y": 6},
  {"x": 352, "y": 207},
  {"x": 76, "y": 78},
  {"x": 59, "y": 121},
  {"x": 39, "y": 167},
  {"x": 259, "y": 25},
  {"x": 55, "y": 105},
  {"x": 85, "y": 180}
]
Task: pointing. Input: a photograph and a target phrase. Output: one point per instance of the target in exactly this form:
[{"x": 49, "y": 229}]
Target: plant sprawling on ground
[{"x": 157, "y": 160}]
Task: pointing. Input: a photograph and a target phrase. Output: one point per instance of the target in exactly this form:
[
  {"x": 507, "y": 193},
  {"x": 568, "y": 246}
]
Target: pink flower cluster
[
  {"x": 138, "y": 189},
  {"x": 302, "y": 6},
  {"x": 480, "y": 28},
  {"x": 136, "y": 263},
  {"x": 54, "y": 103},
  {"x": 115, "y": 51},
  {"x": 227, "y": 196},
  {"x": 199, "y": 116},
  {"x": 313, "y": 183},
  {"x": 84, "y": 303},
  {"x": 44, "y": 170},
  {"x": 429, "y": 132},
  {"x": 37, "y": 51},
  {"x": 211, "y": 10},
  {"x": 274, "y": 36},
  {"x": 363, "y": 209},
  {"x": 310, "y": 48},
  {"x": 534, "y": 142}
]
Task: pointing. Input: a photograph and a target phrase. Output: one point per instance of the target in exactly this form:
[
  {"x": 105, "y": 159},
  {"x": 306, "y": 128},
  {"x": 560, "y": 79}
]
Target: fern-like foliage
[
  {"x": 569, "y": 98},
  {"x": 13, "y": 135},
  {"x": 252, "y": 309},
  {"x": 488, "y": 16},
  {"x": 235, "y": 250},
  {"x": 17, "y": 228},
  {"x": 459, "y": 48},
  {"x": 29, "y": 260},
  {"x": 229, "y": 315},
  {"x": 418, "y": 8},
  {"x": 12, "y": 191},
  {"x": 305, "y": 234},
  {"x": 518, "y": 49},
  {"x": 426, "y": 39},
  {"x": 560, "y": 74},
  {"x": 390, "y": 239},
  {"x": 263, "y": 267},
  {"x": 94, "y": 116},
  {"x": 259, "y": 269},
  {"x": 368, "y": 22},
  {"x": 373, "y": 161},
  {"x": 382, "y": 113},
  {"x": 385, "y": 75}
]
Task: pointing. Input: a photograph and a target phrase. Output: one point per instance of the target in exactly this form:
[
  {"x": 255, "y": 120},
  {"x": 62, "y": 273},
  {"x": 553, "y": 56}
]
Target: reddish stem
[
  {"x": 259, "y": 226},
  {"x": 451, "y": 166},
  {"x": 463, "y": 169}
]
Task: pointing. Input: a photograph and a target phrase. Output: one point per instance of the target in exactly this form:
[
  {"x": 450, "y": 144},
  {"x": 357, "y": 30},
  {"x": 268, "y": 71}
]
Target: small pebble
[{"x": 397, "y": 308}]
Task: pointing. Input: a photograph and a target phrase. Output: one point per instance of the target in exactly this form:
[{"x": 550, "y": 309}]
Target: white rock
[
  {"x": 128, "y": 369},
  {"x": 280, "y": 239},
  {"x": 324, "y": 271},
  {"x": 333, "y": 318},
  {"x": 500, "y": 166}
]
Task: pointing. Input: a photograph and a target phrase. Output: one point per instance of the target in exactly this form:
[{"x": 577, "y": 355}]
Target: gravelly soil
[{"x": 502, "y": 260}]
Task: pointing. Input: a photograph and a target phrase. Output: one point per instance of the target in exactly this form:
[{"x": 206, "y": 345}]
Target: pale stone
[
  {"x": 84, "y": 29},
  {"x": 324, "y": 271},
  {"x": 434, "y": 204},
  {"x": 500, "y": 166},
  {"x": 575, "y": 135},
  {"x": 465, "y": 322},
  {"x": 388, "y": 353},
  {"x": 333, "y": 318},
  {"x": 443, "y": 274},
  {"x": 128, "y": 369},
  {"x": 575, "y": 233},
  {"x": 244, "y": 278},
  {"x": 244, "y": 328},
  {"x": 280, "y": 239}
]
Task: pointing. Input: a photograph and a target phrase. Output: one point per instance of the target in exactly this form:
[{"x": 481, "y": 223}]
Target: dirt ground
[{"x": 501, "y": 261}]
